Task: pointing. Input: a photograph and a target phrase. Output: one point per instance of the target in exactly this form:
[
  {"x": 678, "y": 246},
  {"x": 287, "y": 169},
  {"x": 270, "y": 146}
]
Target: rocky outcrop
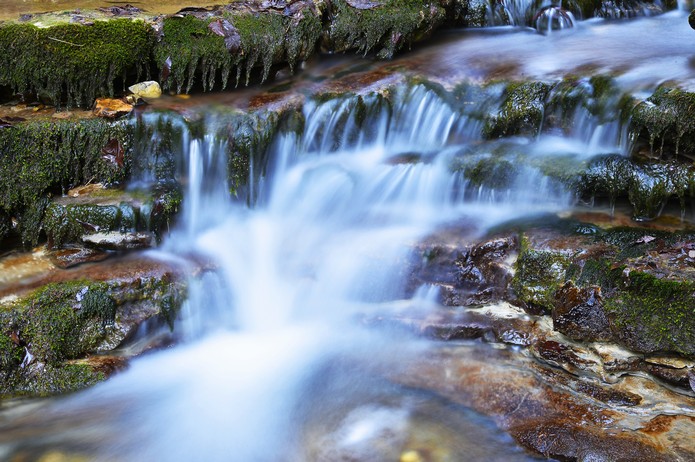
[
  {"x": 51, "y": 337},
  {"x": 591, "y": 327}
]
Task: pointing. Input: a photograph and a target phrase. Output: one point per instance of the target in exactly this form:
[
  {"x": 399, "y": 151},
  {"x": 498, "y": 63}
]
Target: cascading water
[{"x": 337, "y": 213}]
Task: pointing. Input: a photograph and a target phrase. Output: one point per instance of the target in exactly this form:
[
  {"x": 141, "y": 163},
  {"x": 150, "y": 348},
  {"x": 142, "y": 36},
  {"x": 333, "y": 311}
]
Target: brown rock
[
  {"x": 111, "y": 108},
  {"x": 579, "y": 313},
  {"x": 73, "y": 256}
]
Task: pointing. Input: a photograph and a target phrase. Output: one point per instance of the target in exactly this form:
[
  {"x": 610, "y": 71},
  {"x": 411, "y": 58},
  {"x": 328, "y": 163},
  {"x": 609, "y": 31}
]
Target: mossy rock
[
  {"x": 539, "y": 273},
  {"x": 192, "y": 47},
  {"x": 654, "y": 315},
  {"x": 74, "y": 63},
  {"x": 384, "y": 28},
  {"x": 65, "y": 321},
  {"x": 645, "y": 303},
  {"x": 61, "y": 323},
  {"x": 664, "y": 121},
  {"x": 40, "y": 158},
  {"x": 521, "y": 112},
  {"x": 49, "y": 380}
]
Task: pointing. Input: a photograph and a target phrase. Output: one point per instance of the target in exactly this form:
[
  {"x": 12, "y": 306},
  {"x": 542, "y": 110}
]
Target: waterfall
[{"x": 320, "y": 238}]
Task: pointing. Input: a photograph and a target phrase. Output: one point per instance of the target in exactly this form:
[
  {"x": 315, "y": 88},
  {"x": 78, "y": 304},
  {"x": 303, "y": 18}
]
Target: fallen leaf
[
  {"x": 224, "y": 28},
  {"x": 644, "y": 240},
  {"x": 166, "y": 69},
  {"x": 113, "y": 153}
]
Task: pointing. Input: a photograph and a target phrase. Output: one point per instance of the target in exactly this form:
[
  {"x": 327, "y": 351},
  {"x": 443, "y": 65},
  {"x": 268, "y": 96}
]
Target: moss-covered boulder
[
  {"x": 664, "y": 123},
  {"x": 44, "y": 157},
  {"x": 74, "y": 62},
  {"x": 522, "y": 111},
  {"x": 212, "y": 48},
  {"x": 628, "y": 285},
  {"x": 44, "y": 332},
  {"x": 383, "y": 27}
]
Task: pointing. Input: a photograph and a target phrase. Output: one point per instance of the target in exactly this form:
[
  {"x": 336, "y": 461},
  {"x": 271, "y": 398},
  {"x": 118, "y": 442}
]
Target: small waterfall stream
[
  {"x": 336, "y": 214},
  {"x": 272, "y": 359}
]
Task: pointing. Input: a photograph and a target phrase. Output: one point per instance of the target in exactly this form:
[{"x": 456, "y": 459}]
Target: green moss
[
  {"x": 72, "y": 62},
  {"x": 385, "y": 29},
  {"x": 62, "y": 321},
  {"x": 538, "y": 276},
  {"x": 654, "y": 315},
  {"x": 195, "y": 51},
  {"x": 50, "y": 380},
  {"x": 249, "y": 138},
  {"x": 521, "y": 112},
  {"x": 66, "y": 223},
  {"x": 10, "y": 354},
  {"x": 665, "y": 121},
  {"x": 489, "y": 171},
  {"x": 42, "y": 157}
]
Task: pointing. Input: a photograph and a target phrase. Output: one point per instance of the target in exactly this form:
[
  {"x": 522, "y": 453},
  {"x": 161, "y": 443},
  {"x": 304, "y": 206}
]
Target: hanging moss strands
[{"x": 74, "y": 63}]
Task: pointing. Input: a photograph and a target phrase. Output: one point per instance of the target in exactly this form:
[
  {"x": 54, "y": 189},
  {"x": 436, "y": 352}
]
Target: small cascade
[{"x": 545, "y": 16}]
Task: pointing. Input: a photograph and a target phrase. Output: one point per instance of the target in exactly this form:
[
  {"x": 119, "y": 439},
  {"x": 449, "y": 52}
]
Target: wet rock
[
  {"x": 539, "y": 274},
  {"x": 541, "y": 405},
  {"x": 484, "y": 272},
  {"x": 45, "y": 156},
  {"x": 114, "y": 240},
  {"x": 522, "y": 111},
  {"x": 68, "y": 318},
  {"x": 146, "y": 90},
  {"x": 384, "y": 29},
  {"x": 662, "y": 122},
  {"x": 70, "y": 256},
  {"x": 110, "y": 219},
  {"x": 111, "y": 108},
  {"x": 579, "y": 314}
]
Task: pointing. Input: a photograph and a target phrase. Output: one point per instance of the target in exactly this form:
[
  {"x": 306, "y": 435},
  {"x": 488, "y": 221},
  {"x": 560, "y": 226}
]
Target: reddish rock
[{"x": 579, "y": 313}]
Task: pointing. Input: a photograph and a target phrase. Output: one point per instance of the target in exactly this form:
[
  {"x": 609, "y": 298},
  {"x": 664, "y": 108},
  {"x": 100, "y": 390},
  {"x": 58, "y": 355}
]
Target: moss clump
[
  {"x": 66, "y": 223},
  {"x": 43, "y": 157},
  {"x": 11, "y": 354},
  {"x": 385, "y": 28},
  {"x": 538, "y": 275},
  {"x": 654, "y": 315},
  {"x": 62, "y": 320},
  {"x": 665, "y": 121},
  {"x": 491, "y": 172},
  {"x": 521, "y": 112},
  {"x": 72, "y": 62},
  {"x": 190, "y": 49},
  {"x": 51, "y": 380},
  {"x": 249, "y": 138}
]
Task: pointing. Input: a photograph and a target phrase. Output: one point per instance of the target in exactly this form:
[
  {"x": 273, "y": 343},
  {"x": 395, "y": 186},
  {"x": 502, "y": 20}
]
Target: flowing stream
[{"x": 273, "y": 363}]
